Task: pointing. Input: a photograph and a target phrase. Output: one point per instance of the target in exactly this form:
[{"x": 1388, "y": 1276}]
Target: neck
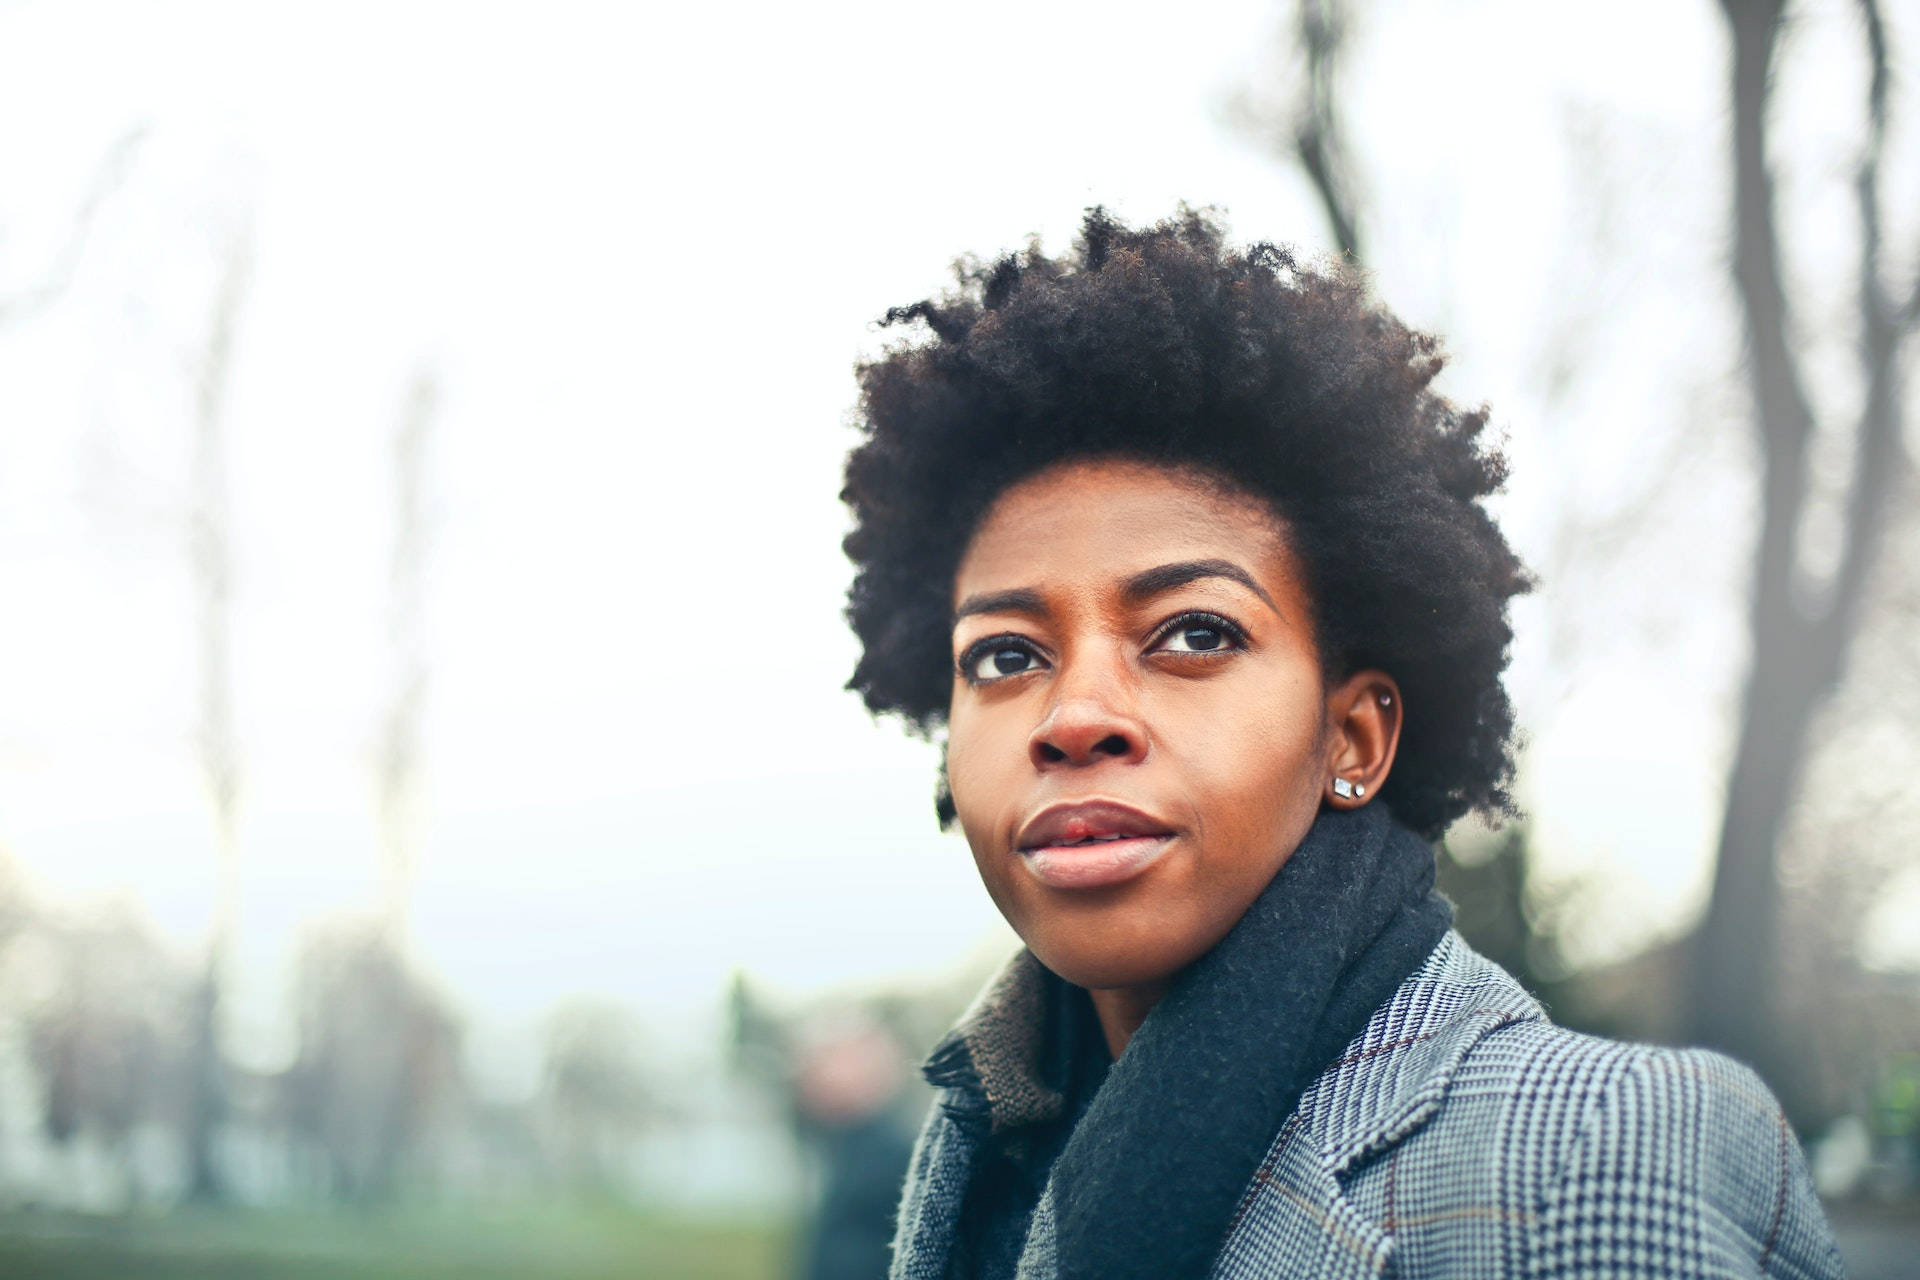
[{"x": 1122, "y": 1009}]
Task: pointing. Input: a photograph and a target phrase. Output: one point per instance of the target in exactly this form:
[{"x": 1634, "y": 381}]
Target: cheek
[
  {"x": 1265, "y": 770},
  {"x": 973, "y": 778},
  {"x": 1287, "y": 755},
  {"x": 987, "y": 773},
  {"x": 978, "y": 804}
]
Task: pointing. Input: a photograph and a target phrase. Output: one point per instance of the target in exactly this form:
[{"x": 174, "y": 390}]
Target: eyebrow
[
  {"x": 1141, "y": 586},
  {"x": 1019, "y": 600},
  {"x": 1163, "y": 578}
]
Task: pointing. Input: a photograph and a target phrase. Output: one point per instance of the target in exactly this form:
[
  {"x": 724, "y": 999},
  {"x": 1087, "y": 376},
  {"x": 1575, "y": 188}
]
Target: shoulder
[
  {"x": 1679, "y": 1157},
  {"x": 1522, "y": 1148}
]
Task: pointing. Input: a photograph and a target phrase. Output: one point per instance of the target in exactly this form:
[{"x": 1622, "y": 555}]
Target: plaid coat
[{"x": 1464, "y": 1135}]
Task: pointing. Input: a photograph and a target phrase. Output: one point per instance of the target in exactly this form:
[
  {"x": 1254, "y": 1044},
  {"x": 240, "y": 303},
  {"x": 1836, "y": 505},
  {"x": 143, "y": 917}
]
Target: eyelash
[
  {"x": 971, "y": 657},
  {"x": 1235, "y": 635}
]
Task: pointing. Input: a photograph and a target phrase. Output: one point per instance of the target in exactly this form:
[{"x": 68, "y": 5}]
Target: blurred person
[
  {"x": 848, "y": 1089},
  {"x": 1178, "y": 546}
]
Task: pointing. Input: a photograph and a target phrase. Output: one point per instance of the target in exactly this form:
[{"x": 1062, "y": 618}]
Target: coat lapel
[
  {"x": 1392, "y": 1078},
  {"x": 1296, "y": 1218},
  {"x": 1294, "y": 1221}
]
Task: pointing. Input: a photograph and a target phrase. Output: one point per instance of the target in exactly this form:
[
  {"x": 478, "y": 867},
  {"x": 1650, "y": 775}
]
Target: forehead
[{"x": 1100, "y": 521}]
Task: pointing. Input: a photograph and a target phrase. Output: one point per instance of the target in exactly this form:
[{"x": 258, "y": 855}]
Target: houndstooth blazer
[{"x": 1464, "y": 1135}]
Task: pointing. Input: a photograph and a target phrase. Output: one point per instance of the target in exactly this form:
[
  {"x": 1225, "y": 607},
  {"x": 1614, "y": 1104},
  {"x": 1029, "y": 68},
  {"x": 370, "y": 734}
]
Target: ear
[{"x": 1363, "y": 719}]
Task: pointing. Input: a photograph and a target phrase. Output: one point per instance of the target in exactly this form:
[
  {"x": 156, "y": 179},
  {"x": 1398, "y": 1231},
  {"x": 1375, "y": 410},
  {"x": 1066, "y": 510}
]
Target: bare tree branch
[
  {"x": 107, "y": 179},
  {"x": 1306, "y": 128},
  {"x": 1878, "y": 457},
  {"x": 1877, "y": 90},
  {"x": 1877, "y": 81},
  {"x": 1317, "y": 133},
  {"x": 209, "y": 547},
  {"x": 397, "y": 754}
]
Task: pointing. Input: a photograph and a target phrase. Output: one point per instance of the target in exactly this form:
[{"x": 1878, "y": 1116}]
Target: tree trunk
[
  {"x": 1799, "y": 646},
  {"x": 1735, "y": 974}
]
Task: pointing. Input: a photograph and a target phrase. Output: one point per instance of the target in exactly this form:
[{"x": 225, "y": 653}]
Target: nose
[{"x": 1085, "y": 724}]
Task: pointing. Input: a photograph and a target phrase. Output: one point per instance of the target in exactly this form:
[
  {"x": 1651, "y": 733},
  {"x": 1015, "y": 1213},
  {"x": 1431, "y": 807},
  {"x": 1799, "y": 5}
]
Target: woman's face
[{"x": 1140, "y": 732}]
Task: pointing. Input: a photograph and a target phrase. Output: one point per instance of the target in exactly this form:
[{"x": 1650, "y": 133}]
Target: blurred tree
[
  {"x": 210, "y": 552},
  {"x": 397, "y": 752},
  {"x": 21, "y": 302},
  {"x": 377, "y": 1064},
  {"x": 211, "y": 559},
  {"x": 1850, "y": 989},
  {"x": 595, "y": 1095},
  {"x": 106, "y": 1032},
  {"x": 1494, "y": 908},
  {"x": 1520, "y": 921},
  {"x": 759, "y": 1042},
  {"x": 1802, "y": 623},
  {"x": 16, "y": 912}
]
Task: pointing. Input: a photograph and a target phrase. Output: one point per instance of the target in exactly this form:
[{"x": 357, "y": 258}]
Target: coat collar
[
  {"x": 1390, "y": 1081},
  {"x": 1394, "y": 1074},
  {"x": 1387, "y": 1083},
  {"x": 993, "y": 1063}
]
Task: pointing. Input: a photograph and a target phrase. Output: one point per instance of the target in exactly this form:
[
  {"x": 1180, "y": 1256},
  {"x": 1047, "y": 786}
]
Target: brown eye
[
  {"x": 996, "y": 658},
  {"x": 1200, "y": 633},
  {"x": 1010, "y": 662},
  {"x": 1201, "y": 639}
]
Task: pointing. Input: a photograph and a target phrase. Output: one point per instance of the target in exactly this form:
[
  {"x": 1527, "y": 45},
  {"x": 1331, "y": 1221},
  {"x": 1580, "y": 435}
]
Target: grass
[{"x": 414, "y": 1244}]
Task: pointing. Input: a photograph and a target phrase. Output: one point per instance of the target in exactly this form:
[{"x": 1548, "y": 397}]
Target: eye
[
  {"x": 1199, "y": 633},
  {"x": 997, "y": 657}
]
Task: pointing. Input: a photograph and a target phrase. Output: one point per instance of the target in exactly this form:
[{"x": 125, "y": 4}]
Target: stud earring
[
  {"x": 1359, "y": 789},
  {"x": 1386, "y": 699},
  {"x": 1343, "y": 788}
]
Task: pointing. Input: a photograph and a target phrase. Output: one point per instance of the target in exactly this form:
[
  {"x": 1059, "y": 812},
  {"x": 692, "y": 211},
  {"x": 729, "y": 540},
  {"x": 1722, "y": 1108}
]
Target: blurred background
[{"x": 433, "y": 837}]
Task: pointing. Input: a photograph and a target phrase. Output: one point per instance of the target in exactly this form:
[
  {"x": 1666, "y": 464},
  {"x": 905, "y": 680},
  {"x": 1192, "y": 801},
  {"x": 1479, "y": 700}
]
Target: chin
[{"x": 1100, "y": 963}]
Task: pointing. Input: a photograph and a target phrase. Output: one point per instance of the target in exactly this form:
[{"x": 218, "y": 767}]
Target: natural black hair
[{"x": 1287, "y": 381}]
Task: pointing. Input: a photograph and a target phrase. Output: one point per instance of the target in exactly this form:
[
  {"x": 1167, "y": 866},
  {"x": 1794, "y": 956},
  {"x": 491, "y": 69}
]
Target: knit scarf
[{"x": 1149, "y": 1180}]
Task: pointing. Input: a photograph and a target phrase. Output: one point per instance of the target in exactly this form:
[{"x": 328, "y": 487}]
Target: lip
[{"x": 1124, "y": 842}]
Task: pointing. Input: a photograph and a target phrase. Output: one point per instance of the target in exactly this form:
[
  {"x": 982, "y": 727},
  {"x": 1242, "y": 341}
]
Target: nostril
[{"x": 1078, "y": 742}]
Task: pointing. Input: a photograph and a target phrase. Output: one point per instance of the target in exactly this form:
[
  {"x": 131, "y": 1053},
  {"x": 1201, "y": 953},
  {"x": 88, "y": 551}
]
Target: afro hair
[{"x": 1285, "y": 381}]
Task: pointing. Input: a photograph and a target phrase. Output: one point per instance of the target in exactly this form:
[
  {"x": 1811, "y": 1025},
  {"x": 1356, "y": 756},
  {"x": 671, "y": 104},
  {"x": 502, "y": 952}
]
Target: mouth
[{"x": 1091, "y": 844}]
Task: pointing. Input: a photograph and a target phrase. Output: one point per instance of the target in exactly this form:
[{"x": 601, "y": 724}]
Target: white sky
[{"x": 640, "y": 247}]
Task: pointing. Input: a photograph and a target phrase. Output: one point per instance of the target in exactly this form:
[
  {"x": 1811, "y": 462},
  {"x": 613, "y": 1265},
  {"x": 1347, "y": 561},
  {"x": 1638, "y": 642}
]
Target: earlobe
[{"x": 1365, "y": 713}]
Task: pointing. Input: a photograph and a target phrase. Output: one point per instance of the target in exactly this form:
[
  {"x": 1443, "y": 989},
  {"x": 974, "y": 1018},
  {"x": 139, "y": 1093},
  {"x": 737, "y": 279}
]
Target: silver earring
[
  {"x": 1359, "y": 789},
  {"x": 1386, "y": 699},
  {"x": 1343, "y": 788}
]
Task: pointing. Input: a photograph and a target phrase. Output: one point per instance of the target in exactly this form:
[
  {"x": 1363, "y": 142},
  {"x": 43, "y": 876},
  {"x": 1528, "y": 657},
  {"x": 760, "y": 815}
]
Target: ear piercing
[
  {"x": 1386, "y": 699},
  {"x": 1348, "y": 790}
]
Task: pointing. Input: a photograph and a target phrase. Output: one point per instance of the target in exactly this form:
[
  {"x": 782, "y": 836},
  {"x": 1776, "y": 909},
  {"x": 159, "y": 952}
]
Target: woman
[{"x": 1184, "y": 554}]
